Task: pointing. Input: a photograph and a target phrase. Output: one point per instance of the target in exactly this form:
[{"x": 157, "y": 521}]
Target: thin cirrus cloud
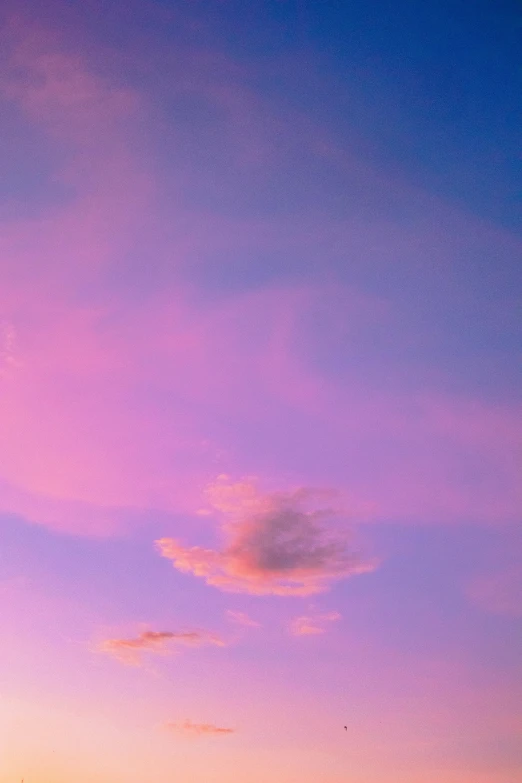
[
  {"x": 314, "y": 624},
  {"x": 130, "y": 651},
  {"x": 58, "y": 95},
  {"x": 286, "y": 544},
  {"x": 189, "y": 729},
  {"x": 242, "y": 618}
]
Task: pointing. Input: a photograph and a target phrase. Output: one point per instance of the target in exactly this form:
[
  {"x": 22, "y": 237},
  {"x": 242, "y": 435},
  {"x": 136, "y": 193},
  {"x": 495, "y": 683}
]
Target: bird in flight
[{"x": 346, "y": 728}]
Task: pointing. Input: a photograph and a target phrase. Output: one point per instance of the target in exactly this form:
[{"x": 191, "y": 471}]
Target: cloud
[
  {"x": 130, "y": 651},
  {"x": 199, "y": 729},
  {"x": 242, "y": 619},
  {"x": 276, "y": 544},
  {"x": 308, "y": 625},
  {"x": 55, "y": 87},
  {"x": 94, "y": 336}
]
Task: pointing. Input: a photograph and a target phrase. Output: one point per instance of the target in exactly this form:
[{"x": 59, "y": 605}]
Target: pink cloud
[
  {"x": 310, "y": 625},
  {"x": 55, "y": 87},
  {"x": 190, "y": 729},
  {"x": 241, "y": 618},
  {"x": 110, "y": 188},
  {"x": 70, "y": 435},
  {"x": 276, "y": 544},
  {"x": 130, "y": 651}
]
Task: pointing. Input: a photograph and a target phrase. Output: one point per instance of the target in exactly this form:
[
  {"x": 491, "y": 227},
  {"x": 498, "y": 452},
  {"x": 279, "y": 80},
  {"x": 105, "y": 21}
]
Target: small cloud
[
  {"x": 308, "y": 625},
  {"x": 282, "y": 543},
  {"x": 499, "y": 593},
  {"x": 198, "y": 729},
  {"x": 242, "y": 619},
  {"x": 130, "y": 651}
]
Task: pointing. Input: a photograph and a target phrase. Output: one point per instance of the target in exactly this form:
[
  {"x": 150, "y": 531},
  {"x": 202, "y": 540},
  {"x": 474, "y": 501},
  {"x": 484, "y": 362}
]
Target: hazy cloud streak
[
  {"x": 198, "y": 729},
  {"x": 241, "y": 618},
  {"x": 130, "y": 651},
  {"x": 308, "y": 625}
]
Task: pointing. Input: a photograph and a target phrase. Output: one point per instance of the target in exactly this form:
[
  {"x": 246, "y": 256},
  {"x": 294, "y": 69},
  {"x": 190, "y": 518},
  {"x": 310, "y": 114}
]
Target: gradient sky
[{"x": 260, "y": 433}]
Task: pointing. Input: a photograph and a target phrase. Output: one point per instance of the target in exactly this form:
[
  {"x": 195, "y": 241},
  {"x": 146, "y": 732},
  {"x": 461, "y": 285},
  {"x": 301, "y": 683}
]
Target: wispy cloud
[
  {"x": 130, "y": 651},
  {"x": 241, "y": 618},
  {"x": 283, "y": 543},
  {"x": 308, "y": 625},
  {"x": 199, "y": 729},
  {"x": 241, "y": 362}
]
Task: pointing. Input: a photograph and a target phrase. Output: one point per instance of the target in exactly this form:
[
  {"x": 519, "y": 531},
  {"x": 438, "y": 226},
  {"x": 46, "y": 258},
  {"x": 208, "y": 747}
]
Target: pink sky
[{"x": 259, "y": 456}]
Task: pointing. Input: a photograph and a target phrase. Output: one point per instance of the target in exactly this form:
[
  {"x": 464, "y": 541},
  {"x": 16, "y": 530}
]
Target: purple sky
[{"x": 260, "y": 429}]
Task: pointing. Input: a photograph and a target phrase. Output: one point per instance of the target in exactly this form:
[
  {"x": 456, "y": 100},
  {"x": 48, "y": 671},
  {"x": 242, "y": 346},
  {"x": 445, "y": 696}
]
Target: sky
[{"x": 260, "y": 432}]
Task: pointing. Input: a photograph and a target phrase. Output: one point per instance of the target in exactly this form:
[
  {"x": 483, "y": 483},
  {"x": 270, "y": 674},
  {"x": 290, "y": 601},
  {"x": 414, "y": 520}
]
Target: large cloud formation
[
  {"x": 130, "y": 651},
  {"x": 92, "y": 335},
  {"x": 275, "y": 544}
]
